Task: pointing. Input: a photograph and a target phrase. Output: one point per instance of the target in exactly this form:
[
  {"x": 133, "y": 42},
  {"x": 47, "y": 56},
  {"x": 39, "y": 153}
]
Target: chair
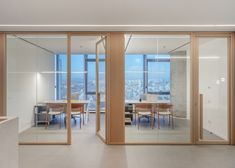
[
  {"x": 40, "y": 113},
  {"x": 144, "y": 111},
  {"x": 165, "y": 109},
  {"x": 77, "y": 112},
  {"x": 55, "y": 110}
]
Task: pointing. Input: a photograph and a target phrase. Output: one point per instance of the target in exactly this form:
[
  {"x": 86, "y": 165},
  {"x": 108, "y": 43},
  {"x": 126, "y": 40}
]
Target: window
[
  {"x": 91, "y": 78},
  {"x": 61, "y": 77},
  {"x": 147, "y": 74},
  {"x": 83, "y": 77},
  {"x": 134, "y": 85},
  {"x": 158, "y": 76},
  {"x": 77, "y": 76},
  {"x": 144, "y": 74}
]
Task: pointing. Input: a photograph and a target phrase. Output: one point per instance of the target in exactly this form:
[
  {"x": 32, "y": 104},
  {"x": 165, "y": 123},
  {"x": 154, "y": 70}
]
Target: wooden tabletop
[
  {"x": 65, "y": 101},
  {"x": 146, "y": 102}
]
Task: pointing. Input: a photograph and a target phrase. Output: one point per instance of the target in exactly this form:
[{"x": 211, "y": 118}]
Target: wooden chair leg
[
  {"x": 46, "y": 125},
  {"x": 60, "y": 120},
  {"x": 65, "y": 121},
  {"x": 83, "y": 118},
  {"x": 158, "y": 121},
  {"x": 135, "y": 118},
  {"x": 48, "y": 120},
  {"x": 138, "y": 121},
  {"x": 169, "y": 120},
  {"x": 81, "y": 121},
  {"x": 153, "y": 121}
]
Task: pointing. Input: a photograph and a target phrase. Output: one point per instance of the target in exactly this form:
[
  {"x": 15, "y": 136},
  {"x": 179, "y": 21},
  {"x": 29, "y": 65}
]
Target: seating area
[
  {"x": 150, "y": 110},
  {"x": 46, "y": 114}
]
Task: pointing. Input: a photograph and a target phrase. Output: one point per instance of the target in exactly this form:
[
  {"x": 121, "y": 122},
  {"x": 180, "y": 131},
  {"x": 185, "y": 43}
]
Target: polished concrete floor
[
  {"x": 88, "y": 151},
  {"x": 57, "y": 133}
]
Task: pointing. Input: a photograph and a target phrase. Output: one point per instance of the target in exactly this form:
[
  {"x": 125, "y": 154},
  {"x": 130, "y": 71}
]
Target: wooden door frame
[
  {"x": 230, "y": 90},
  {"x": 103, "y": 138}
]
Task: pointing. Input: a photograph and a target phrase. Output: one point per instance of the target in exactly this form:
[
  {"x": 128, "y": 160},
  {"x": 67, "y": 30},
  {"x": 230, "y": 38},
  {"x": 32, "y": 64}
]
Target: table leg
[{"x": 87, "y": 113}]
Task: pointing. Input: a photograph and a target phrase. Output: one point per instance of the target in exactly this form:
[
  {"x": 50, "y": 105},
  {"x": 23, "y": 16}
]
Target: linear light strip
[{"x": 108, "y": 25}]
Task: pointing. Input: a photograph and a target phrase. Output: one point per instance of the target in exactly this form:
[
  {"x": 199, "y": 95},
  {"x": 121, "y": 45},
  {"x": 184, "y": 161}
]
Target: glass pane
[
  {"x": 83, "y": 84},
  {"x": 91, "y": 79},
  {"x": 134, "y": 85},
  {"x": 102, "y": 88},
  {"x": 31, "y": 86},
  {"x": 159, "y": 78},
  {"x": 77, "y": 77},
  {"x": 213, "y": 86},
  {"x": 157, "y": 86}
]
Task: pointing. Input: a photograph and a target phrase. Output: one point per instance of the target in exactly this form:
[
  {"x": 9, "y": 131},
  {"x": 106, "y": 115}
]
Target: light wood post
[
  {"x": 68, "y": 113},
  {"x": 116, "y": 122},
  {"x": 2, "y": 75},
  {"x": 193, "y": 89},
  {"x": 232, "y": 91}
]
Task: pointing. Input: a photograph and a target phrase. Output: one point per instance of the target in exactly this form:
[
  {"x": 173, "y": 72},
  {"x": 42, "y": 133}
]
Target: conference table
[{"x": 84, "y": 103}]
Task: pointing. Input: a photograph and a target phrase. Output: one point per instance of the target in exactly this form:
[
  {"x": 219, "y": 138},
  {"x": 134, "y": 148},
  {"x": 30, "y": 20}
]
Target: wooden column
[
  {"x": 116, "y": 87},
  {"x": 2, "y": 75},
  {"x": 232, "y": 125}
]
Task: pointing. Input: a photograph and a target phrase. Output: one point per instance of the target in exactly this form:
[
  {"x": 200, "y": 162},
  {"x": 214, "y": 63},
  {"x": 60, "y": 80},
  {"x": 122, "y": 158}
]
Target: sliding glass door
[{"x": 213, "y": 56}]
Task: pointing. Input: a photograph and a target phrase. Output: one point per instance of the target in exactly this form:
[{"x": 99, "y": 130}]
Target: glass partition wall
[
  {"x": 159, "y": 73},
  {"x": 213, "y": 89},
  {"x": 157, "y": 89},
  {"x": 37, "y": 86}
]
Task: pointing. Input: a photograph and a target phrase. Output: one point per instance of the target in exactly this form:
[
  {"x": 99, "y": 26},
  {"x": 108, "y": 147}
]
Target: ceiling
[
  {"x": 117, "y": 15},
  {"x": 135, "y": 44}
]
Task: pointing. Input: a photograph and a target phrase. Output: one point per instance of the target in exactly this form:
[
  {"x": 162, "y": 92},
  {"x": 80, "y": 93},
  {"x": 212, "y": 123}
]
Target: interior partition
[
  {"x": 32, "y": 87},
  {"x": 2, "y": 75},
  {"x": 213, "y": 88},
  {"x": 157, "y": 88}
]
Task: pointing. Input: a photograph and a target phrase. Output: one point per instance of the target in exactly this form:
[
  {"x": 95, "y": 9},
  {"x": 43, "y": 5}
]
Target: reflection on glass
[
  {"x": 157, "y": 88},
  {"x": 31, "y": 86},
  {"x": 213, "y": 86},
  {"x": 133, "y": 77}
]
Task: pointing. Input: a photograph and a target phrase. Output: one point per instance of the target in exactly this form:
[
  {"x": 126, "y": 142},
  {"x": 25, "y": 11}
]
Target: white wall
[
  {"x": 213, "y": 85},
  {"x": 24, "y": 88}
]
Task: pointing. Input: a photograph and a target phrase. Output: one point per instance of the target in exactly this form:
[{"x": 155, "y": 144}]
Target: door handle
[{"x": 201, "y": 115}]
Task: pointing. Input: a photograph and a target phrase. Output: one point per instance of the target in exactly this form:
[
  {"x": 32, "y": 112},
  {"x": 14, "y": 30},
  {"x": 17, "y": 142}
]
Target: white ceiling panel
[{"x": 116, "y": 15}]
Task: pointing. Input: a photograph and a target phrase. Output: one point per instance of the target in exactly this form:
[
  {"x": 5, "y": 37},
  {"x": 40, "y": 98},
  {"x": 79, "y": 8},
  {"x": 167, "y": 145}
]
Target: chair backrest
[
  {"x": 143, "y": 96},
  {"x": 143, "y": 107},
  {"x": 76, "y": 107},
  {"x": 164, "y": 107},
  {"x": 55, "y": 107},
  {"x": 152, "y": 97}
]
